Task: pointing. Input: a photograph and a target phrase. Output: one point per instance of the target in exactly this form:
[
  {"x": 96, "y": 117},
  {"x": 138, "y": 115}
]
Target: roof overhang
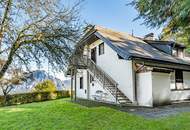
[{"x": 162, "y": 64}]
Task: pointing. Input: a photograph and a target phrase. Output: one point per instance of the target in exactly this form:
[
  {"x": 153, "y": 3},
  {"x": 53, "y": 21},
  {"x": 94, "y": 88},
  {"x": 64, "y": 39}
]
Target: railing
[{"x": 97, "y": 72}]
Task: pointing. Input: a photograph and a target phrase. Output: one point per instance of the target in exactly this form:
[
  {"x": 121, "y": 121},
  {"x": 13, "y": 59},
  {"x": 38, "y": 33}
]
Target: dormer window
[
  {"x": 178, "y": 52},
  {"x": 174, "y": 52}
]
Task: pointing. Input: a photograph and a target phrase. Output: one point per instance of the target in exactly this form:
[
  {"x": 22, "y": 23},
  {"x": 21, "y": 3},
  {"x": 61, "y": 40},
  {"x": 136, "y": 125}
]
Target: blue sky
[{"x": 115, "y": 14}]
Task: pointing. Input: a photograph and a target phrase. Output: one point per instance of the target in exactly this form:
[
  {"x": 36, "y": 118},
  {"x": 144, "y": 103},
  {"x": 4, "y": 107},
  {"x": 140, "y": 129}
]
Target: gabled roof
[{"x": 130, "y": 47}]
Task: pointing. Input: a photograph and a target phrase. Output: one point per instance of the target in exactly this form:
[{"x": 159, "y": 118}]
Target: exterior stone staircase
[{"x": 108, "y": 83}]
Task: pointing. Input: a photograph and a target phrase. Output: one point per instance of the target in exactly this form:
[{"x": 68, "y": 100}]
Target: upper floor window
[
  {"x": 178, "y": 52},
  {"x": 101, "y": 49},
  {"x": 174, "y": 52}
]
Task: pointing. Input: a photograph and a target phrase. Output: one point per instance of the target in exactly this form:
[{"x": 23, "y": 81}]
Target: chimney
[{"x": 149, "y": 36}]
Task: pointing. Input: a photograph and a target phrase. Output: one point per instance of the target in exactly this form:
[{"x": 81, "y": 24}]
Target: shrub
[
  {"x": 45, "y": 86},
  {"x": 34, "y": 97}
]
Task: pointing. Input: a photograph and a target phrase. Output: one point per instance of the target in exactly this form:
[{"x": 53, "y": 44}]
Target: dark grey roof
[{"x": 130, "y": 47}]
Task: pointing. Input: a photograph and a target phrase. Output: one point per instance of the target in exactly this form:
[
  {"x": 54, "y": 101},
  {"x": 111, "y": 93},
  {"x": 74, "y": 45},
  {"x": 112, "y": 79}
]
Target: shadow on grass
[
  {"x": 91, "y": 104},
  {"x": 156, "y": 112}
]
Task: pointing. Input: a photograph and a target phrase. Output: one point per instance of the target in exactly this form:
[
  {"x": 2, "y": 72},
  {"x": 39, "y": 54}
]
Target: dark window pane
[
  {"x": 91, "y": 79},
  {"x": 81, "y": 82},
  {"x": 101, "y": 49},
  {"x": 179, "y": 76}
]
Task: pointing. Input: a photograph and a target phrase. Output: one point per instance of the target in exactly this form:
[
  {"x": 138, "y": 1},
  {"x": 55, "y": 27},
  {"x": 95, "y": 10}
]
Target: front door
[{"x": 93, "y": 54}]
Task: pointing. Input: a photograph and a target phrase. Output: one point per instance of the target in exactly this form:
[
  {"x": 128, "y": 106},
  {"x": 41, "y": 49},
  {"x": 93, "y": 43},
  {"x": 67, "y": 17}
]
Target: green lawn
[{"x": 64, "y": 115}]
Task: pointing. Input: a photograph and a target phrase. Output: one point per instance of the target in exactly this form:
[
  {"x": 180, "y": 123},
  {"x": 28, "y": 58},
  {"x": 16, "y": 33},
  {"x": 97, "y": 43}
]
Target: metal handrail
[
  {"x": 100, "y": 74},
  {"x": 99, "y": 70}
]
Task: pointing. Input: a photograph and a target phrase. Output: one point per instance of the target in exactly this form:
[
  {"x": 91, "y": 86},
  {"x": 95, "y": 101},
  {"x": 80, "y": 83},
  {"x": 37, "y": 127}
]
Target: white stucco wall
[
  {"x": 161, "y": 88},
  {"x": 104, "y": 96},
  {"x": 93, "y": 88},
  {"x": 81, "y": 93},
  {"x": 180, "y": 95},
  {"x": 144, "y": 89},
  {"x": 153, "y": 88},
  {"x": 120, "y": 70}
]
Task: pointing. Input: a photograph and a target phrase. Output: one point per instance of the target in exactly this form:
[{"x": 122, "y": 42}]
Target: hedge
[{"x": 33, "y": 97}]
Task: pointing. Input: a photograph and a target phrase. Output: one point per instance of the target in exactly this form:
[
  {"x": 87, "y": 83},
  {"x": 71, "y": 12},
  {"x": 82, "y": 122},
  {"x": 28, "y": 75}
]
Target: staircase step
[
  {"x": 110, "y": 86},
  {"x": 123, "y": 99},
  {"x": 107, "y": 81},
  {"x": 124, "y": 102}
]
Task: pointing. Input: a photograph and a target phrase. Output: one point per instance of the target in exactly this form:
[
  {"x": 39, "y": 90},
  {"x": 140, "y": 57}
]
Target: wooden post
[
  {"x": 71, "y": 84},
  {"x": 88, "y": 85},
  {"x": 103, "y": 80},
  {"x": 75, "y": 73},
  {"x": 116, "y": 93}
]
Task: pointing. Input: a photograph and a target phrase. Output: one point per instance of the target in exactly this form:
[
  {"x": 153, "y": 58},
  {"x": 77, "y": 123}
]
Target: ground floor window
[
  {"x": 180, "y": 80},
  {"x": 81, "y": 82},
  {"x": 91, "y": 78},
  {"x": 179, "y": 76},
  {"x": 177, "y": 80}
]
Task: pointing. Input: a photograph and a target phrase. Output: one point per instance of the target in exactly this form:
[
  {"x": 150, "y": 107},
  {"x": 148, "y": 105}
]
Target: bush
[
  {"x": 45, "y": 86},
  {"x": 34, "y": 97}
]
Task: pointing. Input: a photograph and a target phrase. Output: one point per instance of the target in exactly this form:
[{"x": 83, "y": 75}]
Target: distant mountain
[
  {"x": 67, "y": 84},
  {"x": 35, "y": 77}
]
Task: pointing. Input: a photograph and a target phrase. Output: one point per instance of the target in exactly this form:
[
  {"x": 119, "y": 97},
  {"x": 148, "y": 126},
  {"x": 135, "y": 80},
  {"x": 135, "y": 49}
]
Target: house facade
[{"x": 118, "y": 68}]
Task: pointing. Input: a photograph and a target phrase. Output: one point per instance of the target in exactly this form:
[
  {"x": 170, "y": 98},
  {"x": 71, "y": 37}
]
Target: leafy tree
[
  {"x": 45, "y": 86},
  {"x": 12, "y": 78},
  {"x": 174, "y": 15},
  {"x": 34, "y": 30}
]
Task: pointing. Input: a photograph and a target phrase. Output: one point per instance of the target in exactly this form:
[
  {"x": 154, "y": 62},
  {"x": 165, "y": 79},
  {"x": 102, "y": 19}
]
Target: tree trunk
[
  {"x": 4, "y": 19},
  {"x": 9, "y": 60},
  {"x": 5, "y": 98}
]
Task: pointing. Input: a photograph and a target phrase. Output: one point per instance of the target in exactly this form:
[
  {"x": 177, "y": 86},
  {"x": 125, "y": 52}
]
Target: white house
[{"x": 116, "y": 67}]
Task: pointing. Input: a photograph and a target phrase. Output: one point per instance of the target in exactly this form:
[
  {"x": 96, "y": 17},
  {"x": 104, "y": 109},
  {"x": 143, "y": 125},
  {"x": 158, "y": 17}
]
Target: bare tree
[{"x": 34, "y": 31}]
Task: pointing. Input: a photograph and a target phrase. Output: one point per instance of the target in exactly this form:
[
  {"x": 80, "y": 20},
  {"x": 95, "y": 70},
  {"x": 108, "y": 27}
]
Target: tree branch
[{"x": 5, "y": 17}]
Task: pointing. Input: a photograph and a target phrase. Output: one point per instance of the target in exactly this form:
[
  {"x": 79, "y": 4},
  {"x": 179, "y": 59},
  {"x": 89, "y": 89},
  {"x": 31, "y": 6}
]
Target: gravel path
[{"x": 156, "y": 112}]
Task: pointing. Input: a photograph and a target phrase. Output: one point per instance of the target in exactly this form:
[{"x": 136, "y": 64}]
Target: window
[
  {"x": 179, "y": 79},
  {"x": 91, "y": 79},
  {"x": 81, "y": 82},
  {"x": 179, "y": 76},
  {"x": 101, "y": 49},
  {"x": 174, "y": 52},
  {"x": 178, "y": 52}
]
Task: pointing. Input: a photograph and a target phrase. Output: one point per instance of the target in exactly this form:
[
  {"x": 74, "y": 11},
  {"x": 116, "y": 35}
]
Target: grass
[{"x": 64, "y": 115}]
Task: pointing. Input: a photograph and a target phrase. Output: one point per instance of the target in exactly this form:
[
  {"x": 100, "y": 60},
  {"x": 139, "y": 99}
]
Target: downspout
[{"x": 135, "y": 78}]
